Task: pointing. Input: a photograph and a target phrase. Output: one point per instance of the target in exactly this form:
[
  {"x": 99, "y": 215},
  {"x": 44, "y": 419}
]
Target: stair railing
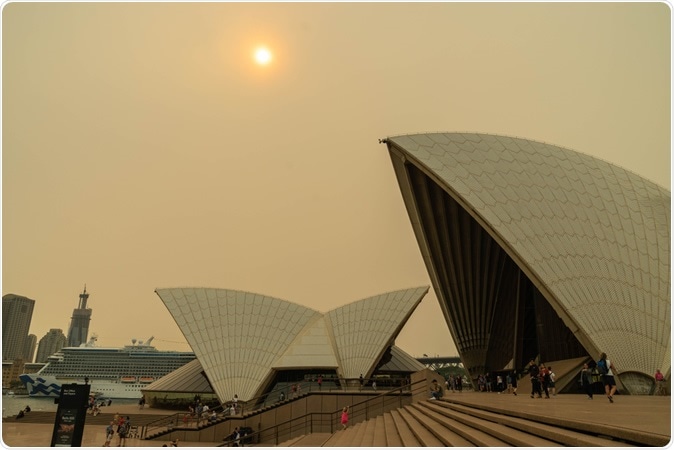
[{"x": 322, "y": 422}]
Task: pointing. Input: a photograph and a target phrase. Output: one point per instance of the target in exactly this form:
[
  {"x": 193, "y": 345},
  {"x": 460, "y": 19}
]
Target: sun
[{"x": 262, "y": 56}]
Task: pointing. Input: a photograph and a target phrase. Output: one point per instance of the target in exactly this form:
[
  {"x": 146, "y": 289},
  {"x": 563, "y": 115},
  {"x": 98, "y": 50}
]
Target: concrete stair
[{"x": 441, "y": 423}]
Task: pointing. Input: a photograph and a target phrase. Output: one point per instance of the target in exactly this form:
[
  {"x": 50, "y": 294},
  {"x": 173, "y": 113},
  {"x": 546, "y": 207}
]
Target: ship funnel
[{"x": 149, "y": 341}]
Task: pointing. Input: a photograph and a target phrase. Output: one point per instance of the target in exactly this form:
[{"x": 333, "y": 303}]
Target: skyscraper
[
  {"x": 17, "y": 312},
  {"x": 50, "y": 343},
  {"x": 79, "y": 325},
  {"x": 29, "y": 351}
]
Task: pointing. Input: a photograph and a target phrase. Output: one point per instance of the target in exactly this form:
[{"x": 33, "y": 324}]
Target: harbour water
[{"x": 11, "y": 404}]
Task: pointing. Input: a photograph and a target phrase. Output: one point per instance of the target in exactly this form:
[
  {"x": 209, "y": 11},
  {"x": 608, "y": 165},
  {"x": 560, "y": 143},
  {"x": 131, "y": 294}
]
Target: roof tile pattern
[
  {"x": 236, "y": 335},
  {"x": 595, "y": 235},
  {"x": 240, "y": 337},
  {"x": 364, "y": 329}
]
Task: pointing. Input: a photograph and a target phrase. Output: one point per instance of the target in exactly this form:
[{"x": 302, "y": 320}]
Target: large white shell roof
[
  {"x": 240, "y": 337},
  {"x": 594, "y": 235}
]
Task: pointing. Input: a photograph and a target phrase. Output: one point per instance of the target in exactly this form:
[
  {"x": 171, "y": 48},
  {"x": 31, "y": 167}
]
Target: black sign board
[{"x": 70, "y": 416}]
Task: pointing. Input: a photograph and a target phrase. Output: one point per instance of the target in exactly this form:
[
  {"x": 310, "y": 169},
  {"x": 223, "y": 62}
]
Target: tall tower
[
  {"x": 79, "y": 325},
  {"x": 17, "y": 312}
]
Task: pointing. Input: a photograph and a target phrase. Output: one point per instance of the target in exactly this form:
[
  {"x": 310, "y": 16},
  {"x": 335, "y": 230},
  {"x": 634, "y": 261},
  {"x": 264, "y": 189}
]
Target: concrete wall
[{"x": 429, "y": 376}]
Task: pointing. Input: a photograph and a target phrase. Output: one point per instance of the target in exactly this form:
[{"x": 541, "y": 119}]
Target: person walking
[
  {"x": 109, "y": 433},
  {"x": 544, "y": 378},
  {"x": 514, "y": 381},
  {"x": 345, "y": 417},
  {"x": 551, "y": 383},
  {"x": 586, "y": 380},
  {"x": 607, "y": 370},
  {"x": 535, "y": 383}
]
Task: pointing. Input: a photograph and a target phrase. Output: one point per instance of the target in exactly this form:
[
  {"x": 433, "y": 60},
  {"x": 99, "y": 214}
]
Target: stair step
[
  {"x": 392, "y": 436},
  {"x": 444, "y": 433},
  {"x": 368, "y": 433},
  {"x": 407, "y": 438},
  {"x": 560, "y": 435},
  {"x": 425, "y": 437},
  {"x": 379, "y": 438},
  {"x": 352, "y": 436},
  {"x": 475, "y": 436},
  {"x": 310, "y": 440},
  {"x": 499, "y": 431}
]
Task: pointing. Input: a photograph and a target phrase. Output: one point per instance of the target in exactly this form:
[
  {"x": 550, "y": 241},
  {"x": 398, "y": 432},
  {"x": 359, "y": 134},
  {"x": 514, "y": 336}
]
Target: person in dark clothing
[
  {"x": 535, "y": 383},
  {"x": 586, "y": 380}
]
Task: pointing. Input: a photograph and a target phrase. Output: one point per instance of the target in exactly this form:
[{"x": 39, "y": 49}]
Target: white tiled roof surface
[
  {"x": 239, "y": 337},
  {"x": 187, "y": 378},
  {"x": 596, "y": 235},
  {"x": 236, "y": 335},
  {"x": 364, "y": 329}
]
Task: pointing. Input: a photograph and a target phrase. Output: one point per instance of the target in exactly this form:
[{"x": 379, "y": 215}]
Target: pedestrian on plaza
[
  {"x": 109, "y": 433},
  {"x": 514, "y": 381},
  {"x": 551, "y": 383},
  {"x": 607, "y": 376},
  {"x": 659, "y": 383},
  {"x": 586, "y": 380},
  {"x": 544, "y": 378},
  {"x": 534, "y": 370}
]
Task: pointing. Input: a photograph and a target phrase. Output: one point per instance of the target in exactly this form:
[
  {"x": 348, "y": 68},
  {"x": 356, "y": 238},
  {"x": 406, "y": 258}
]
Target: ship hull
[{"x": 49, "y": 386}]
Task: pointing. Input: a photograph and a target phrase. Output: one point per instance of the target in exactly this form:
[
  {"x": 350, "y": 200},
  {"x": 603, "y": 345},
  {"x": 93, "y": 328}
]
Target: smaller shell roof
[
  {"x": 240, "y": 337},
  {"x": 188, "y": 378},
  {"x": 401, "y": 362}
]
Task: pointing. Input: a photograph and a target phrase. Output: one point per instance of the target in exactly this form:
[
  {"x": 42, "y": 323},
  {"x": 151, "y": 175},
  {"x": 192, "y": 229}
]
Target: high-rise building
[
  {"x": 50, "y": 343},
  {"x": 17, "y": 312},
  {"x": 31, "y": 344},
  {"x": 79, "y": 324}
]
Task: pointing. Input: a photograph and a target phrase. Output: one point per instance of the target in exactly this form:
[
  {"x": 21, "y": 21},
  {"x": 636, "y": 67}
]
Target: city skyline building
[
  {"x": 53, "y": 341},
  {"x": 78, "y": 332},
  {"x": 31, "y": 345},
  {"x": 17, "y": 313}
]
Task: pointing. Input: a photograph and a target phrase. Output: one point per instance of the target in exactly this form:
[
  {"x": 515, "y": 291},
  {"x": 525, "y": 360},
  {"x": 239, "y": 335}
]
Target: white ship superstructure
[{"x": 112, "y": 372}]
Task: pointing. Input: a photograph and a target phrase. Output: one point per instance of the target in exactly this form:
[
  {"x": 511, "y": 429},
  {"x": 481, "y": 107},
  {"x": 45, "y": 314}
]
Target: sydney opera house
[
  {"x": 534, "y": 252},
  {"x": 540, "y": 252},
  {"x": 247, "y": 344}
]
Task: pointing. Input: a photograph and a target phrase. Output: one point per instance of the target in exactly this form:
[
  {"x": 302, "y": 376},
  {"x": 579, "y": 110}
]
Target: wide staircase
[{"x": 440, "y": 423}]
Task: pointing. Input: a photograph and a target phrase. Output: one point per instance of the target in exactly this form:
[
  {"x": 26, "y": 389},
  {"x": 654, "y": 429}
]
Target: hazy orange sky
[{"x": 142, "y": 147}]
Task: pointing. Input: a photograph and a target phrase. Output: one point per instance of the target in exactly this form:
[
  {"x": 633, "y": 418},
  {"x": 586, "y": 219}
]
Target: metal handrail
[
  {"x": 183, "y": 420},
  {"x": 317, "y": 420}
]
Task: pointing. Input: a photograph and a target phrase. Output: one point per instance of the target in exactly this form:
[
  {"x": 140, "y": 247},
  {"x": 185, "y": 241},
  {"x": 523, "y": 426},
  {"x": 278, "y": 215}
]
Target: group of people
[
  {"x": 542, "y": 380},
  {"x": 454, "y": 383},
  {"x": 499, "y": 383},
  {"x": 606, "y": 370},
  {"x": 201, "y": 413},
  {"x": 238, "y": 437},
  {"x": 94, "y": 406},
  {"x": 121, "y": 425}
]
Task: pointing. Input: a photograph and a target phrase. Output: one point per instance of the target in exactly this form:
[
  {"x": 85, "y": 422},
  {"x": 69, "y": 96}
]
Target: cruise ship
[{"x": 111, "y": 372}]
